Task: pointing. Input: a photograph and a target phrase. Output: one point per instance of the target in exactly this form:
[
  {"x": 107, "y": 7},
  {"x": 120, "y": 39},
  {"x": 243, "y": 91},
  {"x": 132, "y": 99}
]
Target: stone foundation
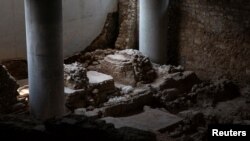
[{"x": 129, "y": 67}]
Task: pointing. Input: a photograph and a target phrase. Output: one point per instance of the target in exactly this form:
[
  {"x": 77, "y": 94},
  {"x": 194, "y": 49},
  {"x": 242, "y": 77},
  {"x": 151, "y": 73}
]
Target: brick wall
[
  {"x": 211, "y": 37},
  {"x": 127, "y": 37}
]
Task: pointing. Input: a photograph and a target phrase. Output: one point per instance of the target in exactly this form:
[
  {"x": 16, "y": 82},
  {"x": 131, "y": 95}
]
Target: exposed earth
[{"x": 126, "y": 89}]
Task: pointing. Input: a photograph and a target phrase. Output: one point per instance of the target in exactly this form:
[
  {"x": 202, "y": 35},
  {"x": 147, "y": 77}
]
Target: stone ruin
[
  {"x": 116, "y": 74},
  {"x": 107, "y": 75},
  {"x": 116, "y": 85},
  {"x": 86, "y": 88},
  {"x": 75, "y": 76},
  {"x": 129, "y": 67},
  {"x": 138, "y": 82},
  {"x": 101, "y": 86},
  {"x": 125, "y": 80}
]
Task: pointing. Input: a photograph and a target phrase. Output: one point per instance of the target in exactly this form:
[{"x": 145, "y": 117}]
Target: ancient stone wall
[
  {"x": 211, "y": 37},
  {"x": 127, "y": 38},
  {"x": 120, "y": 30}
]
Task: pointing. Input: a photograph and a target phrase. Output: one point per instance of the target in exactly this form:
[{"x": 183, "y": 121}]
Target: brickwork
[
  {"x": 128, "y": 25},
  {"x": 211, "y": 37}
]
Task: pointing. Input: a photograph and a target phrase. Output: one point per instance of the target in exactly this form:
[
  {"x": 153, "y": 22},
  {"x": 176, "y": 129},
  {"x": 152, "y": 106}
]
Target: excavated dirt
[
  {"x": 178, "y": 91},
  {"x": 118, "y": 84}
]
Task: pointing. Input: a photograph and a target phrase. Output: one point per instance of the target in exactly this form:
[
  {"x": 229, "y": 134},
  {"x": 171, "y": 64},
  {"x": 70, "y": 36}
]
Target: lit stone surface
[
  {"x": 100, "y": 83},
  {"x": 96, "y": 77},
  {"x": 149, "y": 120}
]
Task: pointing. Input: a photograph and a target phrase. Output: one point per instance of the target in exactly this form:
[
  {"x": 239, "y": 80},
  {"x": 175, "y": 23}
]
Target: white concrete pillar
[
  {"x": 45, "y": 57},
  {"x": 153, "y": 29}
]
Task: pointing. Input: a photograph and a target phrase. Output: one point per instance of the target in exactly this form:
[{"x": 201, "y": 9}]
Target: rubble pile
[
  {"x": 75, "y": 76},
  {"x": 175, "y": 77},
  {"x": 213, "y": 102},
  {"x": 129, "y": 67},
  {"x": 100, "y": 87},
  {"x": 173, "y": 86},
  {"x": 144, "y": 72},
  {"x": 209, "y": 94},
  {"x": 115, "y": 83},
  {"x": 86, "y": 88},
  {"x": 127, "y": 104}
]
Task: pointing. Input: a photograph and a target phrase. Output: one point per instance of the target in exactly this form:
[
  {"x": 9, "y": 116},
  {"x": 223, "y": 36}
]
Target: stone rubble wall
[
  {"x": 211, "y": 37},
  {"x": 128, "y": 25},
  {"x": 75, "y": 76},
  {"x": 120, "y": 29}
]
